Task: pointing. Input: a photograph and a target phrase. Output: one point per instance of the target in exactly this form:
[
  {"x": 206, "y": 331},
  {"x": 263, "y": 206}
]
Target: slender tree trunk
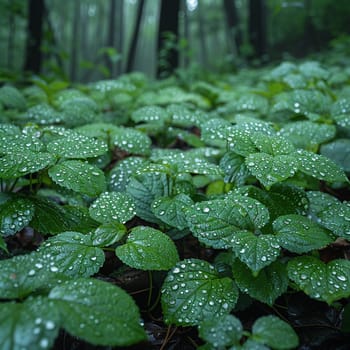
[
  {"x": 120, "y": 34},
  {"x": 186, "y": 58},
  {"x": 202, "y": 36},
  {"x": 133, "y": 43},
  {"x": 12, "y": 34},
  {"x": 232, "y": 22},
  {"x": 111, "y": 34},
  {"x": 33, "y": 59},
  {"x": 168, "y": 57},
  {"x": 257, "y": 27},
  {"x": 75, "y": 41}
]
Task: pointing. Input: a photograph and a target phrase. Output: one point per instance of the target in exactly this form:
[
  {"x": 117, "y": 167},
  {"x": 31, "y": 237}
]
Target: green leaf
[
  {"x": 15, "y": 214},
  {"x": 150, "y": 114},
  {"x": 239, "y": 141},
  {"x": 113, "y": 207},
  {"x": 172, "y": 210},
  {"x": 255, "y": 251},
  {"x": 271, "y": 169},
  {"x": 79, "y": 176},
  {"x": 31, "y": 325},
  {"x": 319, "y": 167},
  {"x": 146, "y": 185},
  {"x": 267, "y": 286},
  {"x": 299, "y": 234},
  {"x": 77, "y": 146},
  {"x": 215, "y": 131},
  {"x": 336, "y": 217},
  {"x": 216, "y": 222},
  {"x": 98, "y": 312},
  {"x": 319, "y": 201},
  {"x": 306, "y": 134},
  {"x": 183, "y": 117},
  {"x": 221, "y": 331},
  {"x": 22, "y": 275},
  {"x": 14, "y": 165},
  {"x": 250, "y": 345},
  {"x": 187, "y": 162},
  {"x": 131, "y": 140},
  {"x": 272, "y": 331},
  {"x": 13, "y": 143},
  {"x": 49, "y": 217},
  {"x": 42, "y": 114},
  {"x": 12, "y": 98},
  {"x": 148, "y": 249},
  {"x": 107, "y": 234},
  {"x": 339, "y": 152},
  {"x": 73, "y": 254},
  {"x": 273, "y": 145},
  {"x": 326, "y": 282},
  {"x": 193, "y": 291},
  {"x": 120, "y": 175},
  {"x": 234, "y": 168}
]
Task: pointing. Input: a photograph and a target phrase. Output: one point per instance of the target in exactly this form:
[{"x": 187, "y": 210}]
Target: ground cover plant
[{"x": 181, "y": 214}]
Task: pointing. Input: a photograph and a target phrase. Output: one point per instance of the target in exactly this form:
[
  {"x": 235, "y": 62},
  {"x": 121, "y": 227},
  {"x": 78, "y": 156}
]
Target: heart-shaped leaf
[
  {"x": 98, "y": 312},
  {"x": 113, "y": 207},
  {"x": 107, "y": 234},
  {"x": 31, "y": 325},
  {"x": 271, "y": 169},
  {"x": 327, "y": 282},
  {"x": 148, "y": 249},
  {"x": 221, "y": 331},
  {"x": 272, "y": 331},
  {"x": 255, "y": 251},
  {"x": 15, "y": 214},
  {"x": 299, "y": 234},
  {"x": 73, "y": 254},
  {"x": 79, "y": 176},
  {"x": 172, "y": 210},
  {"x": 267, "y": 286},
  {"x": 77, "y": 146},
  {"x": 193, "y": 291}
]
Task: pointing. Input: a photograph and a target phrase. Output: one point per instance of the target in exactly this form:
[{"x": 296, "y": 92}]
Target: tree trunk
[
  {"x": 33, "y": 59},
  {"x": 120, "y": 34},
  {"x": 111, "y": 35},
  {"x": 202, "y": 36},
  {"x": 232, "y": 22},
  {"x": 75, "y": 41},
  {"x": 168, "y": 55},
  {"x": 257, "y": 27},
  {"x": 135, "y": 34},
  {"x": 186, "y": 26}
]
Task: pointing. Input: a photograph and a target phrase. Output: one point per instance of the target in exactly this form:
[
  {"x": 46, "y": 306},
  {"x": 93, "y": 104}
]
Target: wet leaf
[
  {"x": 14, "y": 165},
  {"x": 215, "y": 132},
  {"x": 194, "y": 292},
  {"x": 131, "y": 140},
  {"x": 234, "y": 168},
  {"x": 300, "y": 234},
  {"x": 336, "y": 217},
  {"x": 267, "y": 286},
  {"x": 107, "y": 234},
  {"x": 271, "y": 169},
  {"x": 31, "y": 325},
  {"x": 273, "y": 145},
  {"x": 79, "y": 176},
  {"x": 15, "y": 214},
  {"x": 77, "y": 146},
  {"x": 326, "y": 282},
  {"x": 221, "y": 331},
  {"x": 11, "y": 143},
  {"x": 306, "y": 134},
  {"x": 216, "y": 222},
  {"x": 148, "y": 249},
  {"x": 240, "y": 142},
  {"x": 171, "y": 210},
  {"x": 272, "y": 331},
  {"x": 255, "y": 251},
  {"x": 73, "y": 254},
  {"x": 320, "y": 167},
  {"x": 150, "y": 114},
  {"x": 113, "y": 207},
  {"x": 98, "y": 312},
  {"x": 339, "y": 152}
]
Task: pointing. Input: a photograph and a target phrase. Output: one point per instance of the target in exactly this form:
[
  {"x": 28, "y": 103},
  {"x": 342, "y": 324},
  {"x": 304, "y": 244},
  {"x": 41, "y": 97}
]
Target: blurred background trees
[{"x": 85, "y": 40}]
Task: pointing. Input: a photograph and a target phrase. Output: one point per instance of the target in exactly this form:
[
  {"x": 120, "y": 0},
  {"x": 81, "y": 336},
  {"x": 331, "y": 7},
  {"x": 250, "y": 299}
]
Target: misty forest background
[{"x": 88, "y": 40}]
